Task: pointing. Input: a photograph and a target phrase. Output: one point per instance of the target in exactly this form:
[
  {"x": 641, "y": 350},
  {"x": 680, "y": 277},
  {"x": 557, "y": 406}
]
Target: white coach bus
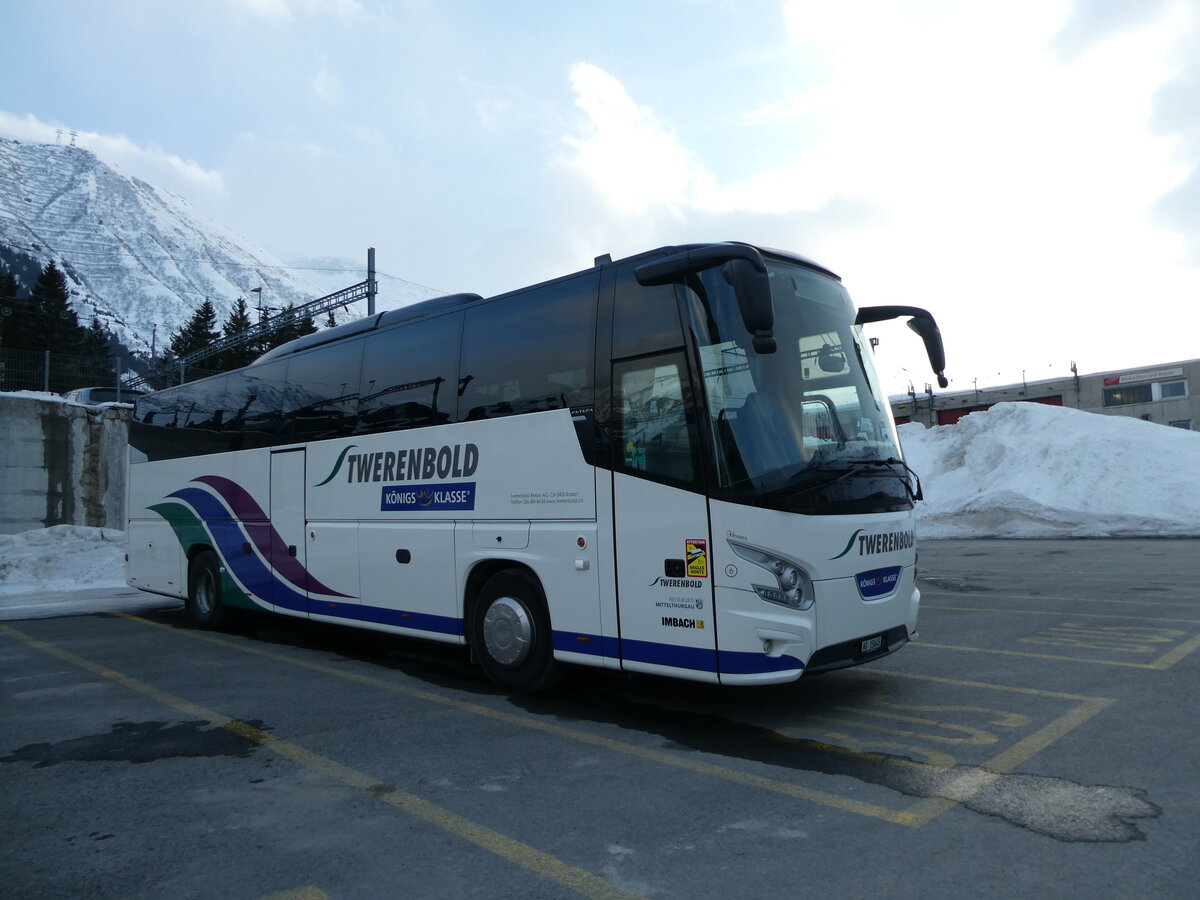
[{"x": 680, "y": 463}]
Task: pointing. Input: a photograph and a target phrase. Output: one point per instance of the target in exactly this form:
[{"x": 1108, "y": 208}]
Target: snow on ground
[
  {"x": 1018, "y": 470},
  {"x": 67, "y": 570},
  {"x": 62, "y": 558},
  {"x": 1030, "y": 470}
]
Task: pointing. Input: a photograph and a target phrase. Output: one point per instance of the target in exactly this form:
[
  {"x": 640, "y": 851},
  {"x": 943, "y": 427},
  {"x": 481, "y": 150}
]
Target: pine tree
[
  {"x": 330, "y": 320},
  {"x": 295, "y": 328},
  {"x": 11, "y": 308},
  {"x": 96, "y": 340},
  {"x": 52, "y": 324},
  {"x": 306, "y": 326},
  {"x": 198, "y": 333},
  {"x": 243, "y": 354}
]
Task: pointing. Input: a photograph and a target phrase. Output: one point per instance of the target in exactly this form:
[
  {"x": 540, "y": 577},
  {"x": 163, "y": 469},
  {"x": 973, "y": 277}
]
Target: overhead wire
[{"x": 236, "y": 265}]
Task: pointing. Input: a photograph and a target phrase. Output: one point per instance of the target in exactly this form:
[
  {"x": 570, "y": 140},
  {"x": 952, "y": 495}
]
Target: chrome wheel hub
[
  {"x": 507, "y": 631},
  {"x": 205, "y": 592}
]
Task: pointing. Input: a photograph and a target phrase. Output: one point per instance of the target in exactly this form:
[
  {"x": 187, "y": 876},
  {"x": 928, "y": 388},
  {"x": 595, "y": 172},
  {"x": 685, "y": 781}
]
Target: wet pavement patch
[
  {"x": 952, "y": 584},
  {"x": 140, "y": 742},
  {"x": 1055, "y": 807}
]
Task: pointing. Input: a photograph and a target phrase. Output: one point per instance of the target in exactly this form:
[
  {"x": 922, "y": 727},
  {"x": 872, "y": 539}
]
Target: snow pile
[
  {"x": 62, "y": 558},
  {"x": 1030, "y": 470}
]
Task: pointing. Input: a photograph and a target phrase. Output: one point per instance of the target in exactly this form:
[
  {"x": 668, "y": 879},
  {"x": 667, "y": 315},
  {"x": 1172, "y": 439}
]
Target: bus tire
[
  {"x": 205, "y": 603},
  {"x": 510, "y": 633}
]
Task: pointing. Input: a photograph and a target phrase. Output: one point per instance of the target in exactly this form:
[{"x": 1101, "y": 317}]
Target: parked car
[{"x": 96, "y": 395}]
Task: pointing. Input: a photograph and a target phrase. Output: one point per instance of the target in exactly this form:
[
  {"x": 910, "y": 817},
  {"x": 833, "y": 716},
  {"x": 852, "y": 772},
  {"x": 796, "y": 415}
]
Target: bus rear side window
[
  {"x": 410, "y": 376},
  {"x": 530, "y": 352},
  {"x": 322, "y": 396}
]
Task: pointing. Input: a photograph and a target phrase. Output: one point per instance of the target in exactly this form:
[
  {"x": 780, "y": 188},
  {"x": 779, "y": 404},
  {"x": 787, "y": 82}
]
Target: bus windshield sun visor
[
  {"x": 742, "y": 267},
  {"x": 922, "y": 322}
]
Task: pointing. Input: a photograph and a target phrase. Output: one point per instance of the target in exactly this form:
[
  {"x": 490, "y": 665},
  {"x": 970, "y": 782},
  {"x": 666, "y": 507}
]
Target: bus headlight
[{"x": 793, "y": 588}]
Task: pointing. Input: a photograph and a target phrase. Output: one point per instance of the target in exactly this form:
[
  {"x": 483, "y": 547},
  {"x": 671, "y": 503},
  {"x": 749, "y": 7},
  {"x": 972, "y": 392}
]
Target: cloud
[
  {"x": 638, "y": 165},
  {"x": 951, "y": 139},
  {"x": 326, "y": 86},
  {"x": 634, "y": 161},
  {"x": 150, "y": 162},
  {"x": 289, "y": 10}
]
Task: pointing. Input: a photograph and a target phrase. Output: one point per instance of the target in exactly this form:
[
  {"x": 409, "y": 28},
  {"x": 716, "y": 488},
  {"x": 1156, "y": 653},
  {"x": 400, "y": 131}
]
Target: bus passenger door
[
  {"x": 664, "y": 585},
  {"x": 287, "y": 554}
]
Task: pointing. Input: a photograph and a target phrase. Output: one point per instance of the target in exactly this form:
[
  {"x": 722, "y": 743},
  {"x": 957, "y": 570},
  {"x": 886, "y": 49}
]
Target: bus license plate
[{"x": 870, "y": 645}]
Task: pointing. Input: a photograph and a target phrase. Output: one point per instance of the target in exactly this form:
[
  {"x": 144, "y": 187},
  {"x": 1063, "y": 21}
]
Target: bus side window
[
  {"x": 321, "y": 400},
  {"x": 254, "y": 404},
  {"x": 655, "y": 433},
  {"x": 409, "y": 375},
  {"x": 645, "y": 319},
  {"x": 531, "y": 351}
]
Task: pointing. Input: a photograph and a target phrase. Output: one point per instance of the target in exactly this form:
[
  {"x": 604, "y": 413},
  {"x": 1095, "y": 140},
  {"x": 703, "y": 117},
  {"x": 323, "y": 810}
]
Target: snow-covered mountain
[{"x": 136, "y": 256}]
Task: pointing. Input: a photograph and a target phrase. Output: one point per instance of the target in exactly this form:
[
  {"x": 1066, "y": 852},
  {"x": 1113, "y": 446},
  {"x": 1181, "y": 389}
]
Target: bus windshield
[{"x": 805, "y": 428}]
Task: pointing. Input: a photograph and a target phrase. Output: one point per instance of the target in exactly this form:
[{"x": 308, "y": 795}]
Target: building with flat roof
[{"x": 1168, "y": 394}]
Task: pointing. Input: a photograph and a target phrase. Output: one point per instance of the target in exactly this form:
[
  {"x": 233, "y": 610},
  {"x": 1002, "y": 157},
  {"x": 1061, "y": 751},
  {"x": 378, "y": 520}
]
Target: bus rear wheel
[
  {"x": 205, "y": 603},
  {"x": 510, "y": 633}
]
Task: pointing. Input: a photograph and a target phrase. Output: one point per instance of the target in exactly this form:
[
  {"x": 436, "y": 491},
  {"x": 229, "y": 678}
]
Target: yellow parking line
[
  {"x": 1148, "y": 600},
  {"x": 679, "y": 762},
  {"x": 973, "y": 781},
  {"x": 987, "y": 685},
  {"x": 1171, "y": 657},
  {"x": 1163, "y": 662},
  {"x": 916, "y": 815},
  {"x": 564, "y": 874},
  {"x": 1054, "y": 612}
]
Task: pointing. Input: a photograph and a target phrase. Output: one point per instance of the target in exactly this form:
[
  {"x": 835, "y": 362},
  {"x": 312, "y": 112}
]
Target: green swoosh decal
[
  {"x": 337, "y": 466},
  {"x": 849, "y": 544}
]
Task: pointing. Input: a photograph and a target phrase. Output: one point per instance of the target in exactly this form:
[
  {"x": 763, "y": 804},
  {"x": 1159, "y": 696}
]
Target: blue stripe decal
[
  {"x": 405, "y": 619},
  {"x": 379, "y": 615},
  {"x": 228, "y": 537},
  {"x": 591, "y": 644},
  {"x": 731, "y": 662},
  {"x": 669, "y": 655}
]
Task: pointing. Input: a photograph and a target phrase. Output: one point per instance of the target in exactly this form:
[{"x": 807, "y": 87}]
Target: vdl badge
[{"x": 870, "y": 645}]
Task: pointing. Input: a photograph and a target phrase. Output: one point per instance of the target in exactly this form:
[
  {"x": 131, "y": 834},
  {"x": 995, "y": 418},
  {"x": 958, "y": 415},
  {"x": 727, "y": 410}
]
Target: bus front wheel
[
  {"x": 204, "y": 602},
  {"x": 510, "y": 633}
]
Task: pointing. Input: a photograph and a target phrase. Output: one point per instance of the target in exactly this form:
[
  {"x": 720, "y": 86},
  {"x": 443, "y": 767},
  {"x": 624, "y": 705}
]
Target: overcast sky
[{"x": 1029, "y": 171}]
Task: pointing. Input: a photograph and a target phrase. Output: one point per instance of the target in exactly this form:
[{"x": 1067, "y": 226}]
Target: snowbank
[
  {"x": 1029, "y": 470},
  {"x": 62, "y": 558}
]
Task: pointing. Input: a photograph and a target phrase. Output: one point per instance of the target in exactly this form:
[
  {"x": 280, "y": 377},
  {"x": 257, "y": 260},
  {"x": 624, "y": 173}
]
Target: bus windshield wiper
[{"x": 846, "y": 468}]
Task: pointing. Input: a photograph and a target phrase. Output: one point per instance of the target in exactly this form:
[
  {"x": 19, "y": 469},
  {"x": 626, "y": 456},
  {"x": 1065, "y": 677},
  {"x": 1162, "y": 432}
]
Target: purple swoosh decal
[{"x": 246, "y": 509}]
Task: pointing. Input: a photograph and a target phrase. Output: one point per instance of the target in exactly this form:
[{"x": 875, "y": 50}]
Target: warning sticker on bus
[{"x": 696, "y": 551}]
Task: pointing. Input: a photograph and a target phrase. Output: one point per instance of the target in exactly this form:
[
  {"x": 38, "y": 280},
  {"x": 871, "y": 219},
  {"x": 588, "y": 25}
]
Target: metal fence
[{"x": 44, "y": 370}]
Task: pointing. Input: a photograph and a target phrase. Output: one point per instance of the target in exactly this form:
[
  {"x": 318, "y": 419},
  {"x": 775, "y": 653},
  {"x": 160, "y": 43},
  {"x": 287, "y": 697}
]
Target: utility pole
[{"x": 371, "y": 287}]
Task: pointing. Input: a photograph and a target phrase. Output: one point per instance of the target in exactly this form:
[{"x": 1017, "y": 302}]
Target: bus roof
[{"x": 437, "y": 305}]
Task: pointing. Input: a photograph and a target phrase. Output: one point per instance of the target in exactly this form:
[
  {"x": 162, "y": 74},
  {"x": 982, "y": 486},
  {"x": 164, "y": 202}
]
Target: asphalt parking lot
[{"x": 1038, "y": 740}]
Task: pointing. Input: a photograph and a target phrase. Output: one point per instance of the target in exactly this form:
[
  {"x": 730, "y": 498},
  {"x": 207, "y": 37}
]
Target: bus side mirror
[
  {"x": 934, "y": 349},
  {"x": 753, "y": 291},
  {"x": 922, "y": 323}
]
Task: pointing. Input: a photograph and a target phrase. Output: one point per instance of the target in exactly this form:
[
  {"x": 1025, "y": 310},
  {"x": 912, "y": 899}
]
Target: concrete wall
[{"x": 61, "y": 463}]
